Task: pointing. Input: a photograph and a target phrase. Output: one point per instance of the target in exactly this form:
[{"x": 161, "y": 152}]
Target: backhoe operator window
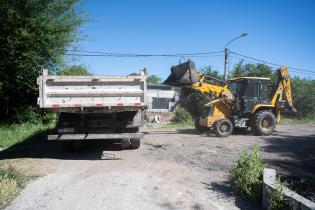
[{"x": 233, "y": 87}]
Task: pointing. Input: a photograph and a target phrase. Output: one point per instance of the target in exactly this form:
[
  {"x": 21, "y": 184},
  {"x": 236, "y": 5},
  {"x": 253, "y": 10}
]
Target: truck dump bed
[{"x": 88, "y": 93}]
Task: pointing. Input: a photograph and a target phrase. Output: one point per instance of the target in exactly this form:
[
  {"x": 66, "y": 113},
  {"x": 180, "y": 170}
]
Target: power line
[
  {"x": 292, "y": 70},
  {"x": 271, "y": 63},
  {"x": 198, "y": 54},
  {"x": 107, "y": 54}
]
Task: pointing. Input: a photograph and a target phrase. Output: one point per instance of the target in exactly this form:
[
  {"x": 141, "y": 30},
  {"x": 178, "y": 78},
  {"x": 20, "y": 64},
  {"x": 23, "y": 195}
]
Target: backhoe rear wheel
[
  {"x": 263, "y": 123},
  {"x": 223, "y": 127}
]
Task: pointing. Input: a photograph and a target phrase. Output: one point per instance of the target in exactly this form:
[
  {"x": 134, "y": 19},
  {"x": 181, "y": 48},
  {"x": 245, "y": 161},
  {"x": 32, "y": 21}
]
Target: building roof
[{"x": 259, "y": 78}]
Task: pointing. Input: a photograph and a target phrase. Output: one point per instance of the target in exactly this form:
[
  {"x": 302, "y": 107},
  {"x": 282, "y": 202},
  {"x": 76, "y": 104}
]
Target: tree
[
  {"x": 154, "y": 79},
  {"x": 252, "y": 70},
  {"x": 133, "y": 74},
  {"x": 75, "y": 70},
  {"x": 33, "y": 34},
  {"x": 209, "y": 71}
]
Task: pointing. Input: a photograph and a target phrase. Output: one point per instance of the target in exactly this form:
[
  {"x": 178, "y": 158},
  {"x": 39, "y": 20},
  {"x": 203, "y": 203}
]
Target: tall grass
[
  {"x": 15, "y": 133},
  {"x": 295, "y": 121},
  {"x": 11, "y": 183}
]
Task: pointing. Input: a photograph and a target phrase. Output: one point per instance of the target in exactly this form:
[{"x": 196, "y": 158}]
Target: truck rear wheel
[
  {"x": 135, "y": 143},
  {"x": 263, "y": 123},
  {"x": 223, "y": 127}
]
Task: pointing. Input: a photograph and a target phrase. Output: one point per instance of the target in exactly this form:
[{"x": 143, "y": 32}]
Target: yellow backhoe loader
[{"x": 239, "y": 103}]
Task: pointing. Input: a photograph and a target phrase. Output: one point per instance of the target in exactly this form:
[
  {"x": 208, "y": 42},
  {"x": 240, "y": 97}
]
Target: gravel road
[{"x": 173, "y": 169}]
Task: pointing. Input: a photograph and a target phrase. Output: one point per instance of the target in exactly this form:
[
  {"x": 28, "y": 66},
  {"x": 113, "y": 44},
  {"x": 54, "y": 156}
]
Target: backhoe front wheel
[
  {"x": 223, "y": 127},
  {"x": 263, "y": 123}
]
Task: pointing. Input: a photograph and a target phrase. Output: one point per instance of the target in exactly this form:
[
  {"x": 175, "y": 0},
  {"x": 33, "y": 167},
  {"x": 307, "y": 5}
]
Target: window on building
[{"x": 160, "y": 103}]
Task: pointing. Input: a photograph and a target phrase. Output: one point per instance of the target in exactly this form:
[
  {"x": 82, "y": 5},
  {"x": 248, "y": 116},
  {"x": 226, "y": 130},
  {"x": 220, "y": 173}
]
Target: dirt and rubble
[{"x": 173, "y": 169}]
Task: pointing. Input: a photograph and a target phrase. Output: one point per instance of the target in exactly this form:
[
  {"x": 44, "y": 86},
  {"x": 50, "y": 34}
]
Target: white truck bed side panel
[{"x": 91, "y": 91}]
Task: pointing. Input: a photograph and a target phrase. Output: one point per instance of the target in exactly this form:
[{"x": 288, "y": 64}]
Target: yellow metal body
[{"x": 223, "y": 100}]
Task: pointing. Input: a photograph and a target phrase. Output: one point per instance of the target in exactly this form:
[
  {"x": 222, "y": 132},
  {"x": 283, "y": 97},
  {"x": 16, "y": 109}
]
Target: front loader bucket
[{"x": 183, "y": 74}]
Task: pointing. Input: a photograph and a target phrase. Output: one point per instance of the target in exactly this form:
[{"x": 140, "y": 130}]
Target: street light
[{"x": 226, "y": 50}]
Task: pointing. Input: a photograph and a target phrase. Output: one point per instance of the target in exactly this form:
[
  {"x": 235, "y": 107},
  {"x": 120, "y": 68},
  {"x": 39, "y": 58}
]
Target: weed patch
[
  {"x": 11, "y": 183},
  {"x": 247, "y": 175}
]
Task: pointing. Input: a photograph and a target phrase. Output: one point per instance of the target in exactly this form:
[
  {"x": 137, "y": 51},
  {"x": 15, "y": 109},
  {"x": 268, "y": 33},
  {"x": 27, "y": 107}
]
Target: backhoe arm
[
  {"x": 217, "y": 92},
  {"x": 283, "y": 90}
]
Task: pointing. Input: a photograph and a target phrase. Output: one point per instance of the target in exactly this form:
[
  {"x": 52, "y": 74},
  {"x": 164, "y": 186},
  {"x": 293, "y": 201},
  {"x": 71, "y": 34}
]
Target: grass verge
[
  {"x": 15, "y": 133},
  {"x": 295, "y": 121},
  {"x": 12, "y": 181},
  {"x": 176, "y": 125}
]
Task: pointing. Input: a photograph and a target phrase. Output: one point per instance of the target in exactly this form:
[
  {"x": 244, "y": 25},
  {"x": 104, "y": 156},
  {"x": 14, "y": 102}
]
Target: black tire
[
  {"x": 198, "y": 127},
  {"x": 223, "y": 127},
  {"x": 135, "y": 143},
  {"x": 263, "y": 123}
]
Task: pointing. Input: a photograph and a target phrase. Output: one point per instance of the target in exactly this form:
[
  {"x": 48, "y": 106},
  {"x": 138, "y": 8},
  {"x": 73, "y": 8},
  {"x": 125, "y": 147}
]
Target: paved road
[{"x": 172, "y": 170}]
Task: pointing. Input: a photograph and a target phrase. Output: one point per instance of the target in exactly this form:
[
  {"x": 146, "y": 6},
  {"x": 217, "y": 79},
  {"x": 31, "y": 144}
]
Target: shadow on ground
[
  {"x": 37, "y": 146},
  {"x": 295, "y": 155},
  {"x": 225, "y": 191}
]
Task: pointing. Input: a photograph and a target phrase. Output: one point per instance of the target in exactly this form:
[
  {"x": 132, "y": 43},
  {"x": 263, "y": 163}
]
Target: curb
[{"x": 298, "y": 202}]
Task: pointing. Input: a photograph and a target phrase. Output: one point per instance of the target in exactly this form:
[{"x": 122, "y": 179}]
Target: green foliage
[
  {"x": 33, "y": 115},
  {"x": 154, "y": 79},
  {"x": 133, "y": 74},
  {"x": 34, "y": 34},
  {"x": 303, "y": 91},
  {"x": 209, "y": 71},
  {"x": 75, "y": 70},
  {"x": 247, "y": 174},
  {"x": 252, "y": 70},
  {"x": 182, "y": 116},
  {"x": 278, "y": 201},
  {"x": 16, "y": 133}
]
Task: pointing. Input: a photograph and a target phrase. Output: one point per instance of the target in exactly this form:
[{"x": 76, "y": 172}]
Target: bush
[
  {"x": 33, "y": 115},
  {"x": 247, "y": 175},
  {"x": 182, "y": 116}
]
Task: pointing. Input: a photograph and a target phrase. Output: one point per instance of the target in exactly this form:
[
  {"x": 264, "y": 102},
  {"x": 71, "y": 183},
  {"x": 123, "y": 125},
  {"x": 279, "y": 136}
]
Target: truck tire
[
  {"x": 223, "y": 127},
  {"x": 263, "y": 123},
  {"x": 198, "y": 127},
  {"x": 125, "y": 143},
  {"x": 135, "y": 143}
]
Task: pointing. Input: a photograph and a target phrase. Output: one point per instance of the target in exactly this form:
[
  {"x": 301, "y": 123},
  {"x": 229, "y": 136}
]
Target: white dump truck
[{"x": 95, "y": 107}]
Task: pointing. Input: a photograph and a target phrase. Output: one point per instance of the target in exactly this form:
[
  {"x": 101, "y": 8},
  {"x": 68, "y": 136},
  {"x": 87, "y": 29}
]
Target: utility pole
[
  {"x": 226, "y": 53},
  {"x": 225, "y": 61}
]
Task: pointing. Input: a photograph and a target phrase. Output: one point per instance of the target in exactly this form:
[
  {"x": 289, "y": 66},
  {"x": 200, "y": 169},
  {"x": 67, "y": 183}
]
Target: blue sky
[{"x": 279, "y": 31}]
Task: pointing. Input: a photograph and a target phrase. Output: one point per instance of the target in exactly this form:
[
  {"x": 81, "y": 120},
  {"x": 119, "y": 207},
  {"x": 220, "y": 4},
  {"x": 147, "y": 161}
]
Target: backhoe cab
[{"x": 239, "y": 103}]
